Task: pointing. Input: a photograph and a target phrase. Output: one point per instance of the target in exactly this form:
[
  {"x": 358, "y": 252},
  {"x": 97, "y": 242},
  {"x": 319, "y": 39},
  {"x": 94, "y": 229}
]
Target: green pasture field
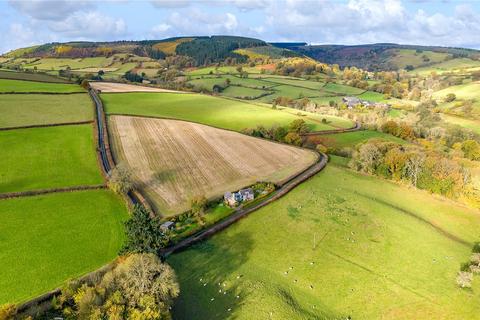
[
  {"x": 315, "y": 85},
  {"x": 49, "y": 239},
  {"x": 122, "y": 68},
  {"x": 326, "y": 100},
  {"x": 341, "y": 244},
  {"x": 8, "y": 85},
  {"x": 473, "y": 125},
  {"x": 351, "y": 139},
  {"x": 404, "y": 57},
  {"x": 30, "y": 76},
  {"x": 452, "y": 65},
  {"x": 62, "y": 63},
  {"x": 342, "y": 89},
  {"x": 469, "y": 90},
  {"x": 38, "y": 109},
  {"x": 209, "y": 81},
  {"x": 242, "y": 92},
  {"x": 292, "y": 92},
  {"x": 51, "y": 157},
  {"x": 218, "y": 112},
  {"x": 371, "y": 96},
  {"x": 213, "y": 70},
  {"x": 396, "y": 113}
]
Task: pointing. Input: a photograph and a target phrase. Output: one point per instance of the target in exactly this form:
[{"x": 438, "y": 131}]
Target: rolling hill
[{"x": 380, "y": 56}]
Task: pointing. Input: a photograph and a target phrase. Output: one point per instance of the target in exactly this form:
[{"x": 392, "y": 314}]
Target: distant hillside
[
  {"x": 203, "y": 50},
  {"x": 380, "y": 56}
]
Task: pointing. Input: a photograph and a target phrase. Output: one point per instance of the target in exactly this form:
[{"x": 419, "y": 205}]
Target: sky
[{"x": 442, "y": 22}]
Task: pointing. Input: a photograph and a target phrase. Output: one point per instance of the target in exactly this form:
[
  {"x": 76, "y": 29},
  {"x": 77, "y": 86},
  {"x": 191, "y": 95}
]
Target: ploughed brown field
[
  {"x": 124, "y": 87},
  {"x": 172, "y": 160}
]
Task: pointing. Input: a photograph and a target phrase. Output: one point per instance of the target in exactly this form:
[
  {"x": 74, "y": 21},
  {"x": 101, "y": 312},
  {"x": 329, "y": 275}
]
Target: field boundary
[
  {"x": 138, "y": 85},
  {"x": 43, "y": 302},
  {"x": 356, "y": 127},
  {"x": 11, "y": 195},
  {"x": 48, "y": 125},
  {"x": 44, "y": 92},
  {"x": 60, "y": 80},
  {"x": 104, "y": 152}
]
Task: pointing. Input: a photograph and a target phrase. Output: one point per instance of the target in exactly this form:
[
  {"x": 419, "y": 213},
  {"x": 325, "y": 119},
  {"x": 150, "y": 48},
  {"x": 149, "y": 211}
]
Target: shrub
[
  {"x": 198, "y": 205},
  {"x": 321, "y": 148},
  {"x": 476, "y": 247},
  {"x": 450, "y": 97},
  {"x": 293, "y": 138}
]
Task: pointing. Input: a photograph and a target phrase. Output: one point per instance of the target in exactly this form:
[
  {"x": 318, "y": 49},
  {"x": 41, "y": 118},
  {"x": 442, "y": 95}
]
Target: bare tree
[{"x": 414, "y": 166}]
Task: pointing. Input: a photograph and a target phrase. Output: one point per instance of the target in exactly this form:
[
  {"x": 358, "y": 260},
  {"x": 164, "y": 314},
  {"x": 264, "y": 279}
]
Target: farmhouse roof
[
  {"x": 167, "y": 225},
  {"x": 248, "y": 191}
]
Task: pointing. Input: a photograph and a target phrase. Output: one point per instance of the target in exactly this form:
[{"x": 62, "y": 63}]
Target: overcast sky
[{"x": 446, "y": 23}]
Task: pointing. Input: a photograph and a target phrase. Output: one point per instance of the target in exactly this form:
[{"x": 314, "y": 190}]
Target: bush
[
  {"x": 476, "y": 247},
  {"x": 198, "y": 205},
  {"x": 321, "y": 148},
  {"x": 450, "y": 97},
  {"x": 293, "y": 138}
]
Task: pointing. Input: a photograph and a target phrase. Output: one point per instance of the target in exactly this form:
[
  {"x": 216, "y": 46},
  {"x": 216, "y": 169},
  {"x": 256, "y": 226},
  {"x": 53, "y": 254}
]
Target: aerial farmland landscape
[{"x": 210, "y": 160}]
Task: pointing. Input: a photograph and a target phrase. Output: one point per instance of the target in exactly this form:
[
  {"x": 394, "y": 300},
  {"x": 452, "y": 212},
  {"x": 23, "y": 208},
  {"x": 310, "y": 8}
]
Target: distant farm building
[
  {"x": 166, "y": 226},
  {"x": 234, "y": 198},
  {"x": 352, "y": 102}
]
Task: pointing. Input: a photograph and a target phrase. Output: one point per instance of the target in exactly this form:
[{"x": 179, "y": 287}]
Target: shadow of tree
[{"x": 209, "y": 277}]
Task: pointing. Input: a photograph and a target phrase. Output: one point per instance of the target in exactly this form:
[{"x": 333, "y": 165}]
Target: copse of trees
[
  {"x": 140, "y": 287},
  {"x": 291, "y": 134},
  {"x": 133, "y": 77},
  {"x": 424, "y": 170}
]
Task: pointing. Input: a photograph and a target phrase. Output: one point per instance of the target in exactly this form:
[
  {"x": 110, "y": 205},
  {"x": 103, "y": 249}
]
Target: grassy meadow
[
  {"x": 351, "y": 139},
  {"x": 9, "y": 85},
  {"x": 48, "y": 239},
  {"x": 341, "y": 244},
  {"x": 217, "y": 112},
  {"x": 404, "y": 57},
  {"x": 471, "y": 124},
  {"x": 30, "y": 76},
  {"x": 38, "y": 109},
  {"x": 52, "y": 157}
]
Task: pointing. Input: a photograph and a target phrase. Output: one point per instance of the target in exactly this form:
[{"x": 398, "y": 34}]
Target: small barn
[{"x": 166, "y": 226}]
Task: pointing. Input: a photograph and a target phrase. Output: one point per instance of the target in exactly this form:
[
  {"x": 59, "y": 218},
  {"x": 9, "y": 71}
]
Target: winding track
[{"x": 108, "y": 163}]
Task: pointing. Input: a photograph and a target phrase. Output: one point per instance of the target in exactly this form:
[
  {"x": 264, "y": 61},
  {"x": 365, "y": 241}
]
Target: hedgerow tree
[
  {"x": 120, "y": 179},
  {"x": 198, "y": 205},
  {"x": 143, "y": 233}
]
